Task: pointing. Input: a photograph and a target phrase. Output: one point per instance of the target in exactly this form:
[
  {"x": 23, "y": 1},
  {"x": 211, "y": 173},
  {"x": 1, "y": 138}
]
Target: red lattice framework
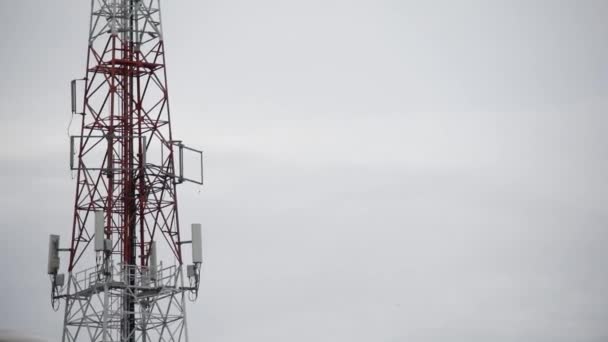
[{"x": 125, "y": 154}]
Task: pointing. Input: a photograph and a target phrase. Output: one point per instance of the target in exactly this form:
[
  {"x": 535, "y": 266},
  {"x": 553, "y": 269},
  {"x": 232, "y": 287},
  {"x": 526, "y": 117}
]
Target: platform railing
[{"x": 126, "y": 275}]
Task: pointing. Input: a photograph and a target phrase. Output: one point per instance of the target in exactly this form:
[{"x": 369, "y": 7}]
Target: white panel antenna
[
  {"x": 53, "y": 260},
  {"x": 197, "y": 244},
  {"x": 100, "y": 233},
  {"x": 152, "y": 262}
]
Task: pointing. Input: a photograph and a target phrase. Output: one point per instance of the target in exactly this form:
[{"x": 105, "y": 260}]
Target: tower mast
[{"x": 128, "y": 167}]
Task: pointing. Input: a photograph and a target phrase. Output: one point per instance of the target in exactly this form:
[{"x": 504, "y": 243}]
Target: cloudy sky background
[{"x": 376, "y": 170}]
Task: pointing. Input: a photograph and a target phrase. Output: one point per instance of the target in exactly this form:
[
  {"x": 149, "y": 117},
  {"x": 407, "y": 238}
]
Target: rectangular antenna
[
  {"x": 152, "y": 262},
  {"x": 197, "y": 243},
  {"x": 73, "y": 96},
  {"x": 100, "y": 234},
  {"x": 53, "y": 260}
]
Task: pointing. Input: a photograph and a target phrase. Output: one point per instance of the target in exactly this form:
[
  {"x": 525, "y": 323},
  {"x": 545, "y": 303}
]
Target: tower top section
[{"x": 138, "y": 21}]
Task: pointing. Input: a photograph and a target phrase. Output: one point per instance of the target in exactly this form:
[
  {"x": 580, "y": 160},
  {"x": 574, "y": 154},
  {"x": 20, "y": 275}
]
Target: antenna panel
[
  {"x": 100, "y": 235},
  {"x": 53, "y": 259},
  {"x": 197, "y": 243},
  {"x": 153, "y": 261}
]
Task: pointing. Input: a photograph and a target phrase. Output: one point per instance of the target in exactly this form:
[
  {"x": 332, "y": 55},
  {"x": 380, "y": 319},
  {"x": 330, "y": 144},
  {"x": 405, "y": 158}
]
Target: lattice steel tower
[{"x": 127, "y": 167}]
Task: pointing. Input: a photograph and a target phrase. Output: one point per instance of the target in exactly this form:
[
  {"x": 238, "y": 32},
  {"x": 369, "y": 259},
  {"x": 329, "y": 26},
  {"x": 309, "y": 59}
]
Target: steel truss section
[
  {"x": 126, "y": 102},
  {"x": 95, "y": 308}
]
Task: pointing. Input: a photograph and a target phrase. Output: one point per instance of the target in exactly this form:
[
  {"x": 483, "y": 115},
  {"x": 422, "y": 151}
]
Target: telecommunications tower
[{"x": 125, "y": 279}]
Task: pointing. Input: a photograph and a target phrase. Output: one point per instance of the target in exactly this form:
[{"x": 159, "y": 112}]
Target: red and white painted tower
[{"x": 128, "y": 165}]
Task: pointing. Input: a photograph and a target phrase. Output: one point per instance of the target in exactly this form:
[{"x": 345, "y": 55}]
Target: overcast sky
[{"x": 376, "y": 170}]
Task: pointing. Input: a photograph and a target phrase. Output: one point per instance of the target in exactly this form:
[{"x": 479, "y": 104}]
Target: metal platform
[{"x": 95, "y": 304}]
